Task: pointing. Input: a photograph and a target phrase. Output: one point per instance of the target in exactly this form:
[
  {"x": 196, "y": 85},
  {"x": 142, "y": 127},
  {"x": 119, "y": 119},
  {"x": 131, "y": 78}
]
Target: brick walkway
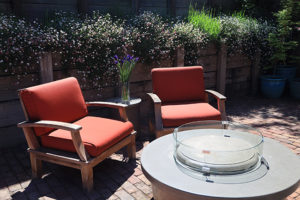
[{"x": 116, "y": 179}]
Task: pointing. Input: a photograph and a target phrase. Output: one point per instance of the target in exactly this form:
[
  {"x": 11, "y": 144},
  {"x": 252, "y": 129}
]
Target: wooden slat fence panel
[
  {"x": 15, "y": 83},
  {"x": 53, "y": 2},
  {"x": 182, "y": 6},
  {"x": 38, "y": 8},
  {"x": 153, "y": 3},
  {"x": 156, "y": 6},
  {"x": 109, "y": 3},
  {"x": 210, "y": 79},
  {"x": 104, "y": 9},
  {"x": 238, "y": 60},
  {"x": 238, "y": 75},
  {"x": 5, "y": 6},
  {"x": 113, "y": 6},
  {"x": 209, "y": 63}
]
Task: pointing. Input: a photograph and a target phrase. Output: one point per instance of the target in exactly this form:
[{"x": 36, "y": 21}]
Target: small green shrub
[{"x": 281, "y": 41}]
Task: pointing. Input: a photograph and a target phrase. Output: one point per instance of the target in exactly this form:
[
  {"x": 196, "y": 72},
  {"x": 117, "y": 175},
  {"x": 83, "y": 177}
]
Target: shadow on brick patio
[{"x": 115, "y": 178}]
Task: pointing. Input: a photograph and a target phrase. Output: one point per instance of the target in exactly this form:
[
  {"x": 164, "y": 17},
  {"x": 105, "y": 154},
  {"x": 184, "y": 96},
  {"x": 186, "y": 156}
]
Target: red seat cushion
[
  {"x": 176, "y": 114},
  {"x": 97, "y": 135},
  {"x": 59, "y": 101},
  {"x": 176, "y": 84}
]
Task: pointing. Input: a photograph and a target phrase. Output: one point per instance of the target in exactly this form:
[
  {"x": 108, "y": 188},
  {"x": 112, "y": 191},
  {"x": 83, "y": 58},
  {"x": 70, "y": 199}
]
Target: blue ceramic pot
[
  {"x": 272, "y": 86},
  {"x": 287, "y": 72},
  {"x": 295, "y": 88}
]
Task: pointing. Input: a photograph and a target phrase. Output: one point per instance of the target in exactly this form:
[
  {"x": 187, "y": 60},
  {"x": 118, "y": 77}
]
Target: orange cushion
[
  {"x": 59, "y": 101},
  {"x": 178, "y": 83},
  {"x": 176, "y": 114},
  {"x": 97, "y": 135}
]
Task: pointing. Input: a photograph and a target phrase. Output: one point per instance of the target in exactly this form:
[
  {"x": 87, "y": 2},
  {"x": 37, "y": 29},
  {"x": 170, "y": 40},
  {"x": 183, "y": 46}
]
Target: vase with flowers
[{"x": 125, "y": 66}]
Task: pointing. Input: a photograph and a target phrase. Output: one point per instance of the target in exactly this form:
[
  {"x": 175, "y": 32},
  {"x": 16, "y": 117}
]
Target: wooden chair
[
  {"x": 179, "y": 97},
  {"x": 59, "y": 130}
]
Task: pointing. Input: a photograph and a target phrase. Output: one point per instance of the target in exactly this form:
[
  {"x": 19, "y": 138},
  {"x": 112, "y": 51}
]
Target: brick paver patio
[{"x": 118, "y": 179}]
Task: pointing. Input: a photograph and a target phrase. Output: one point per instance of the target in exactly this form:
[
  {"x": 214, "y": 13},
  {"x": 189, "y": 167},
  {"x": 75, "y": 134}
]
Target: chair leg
[
  {"x": 131, "y": 148},
  {"x": 87, "y": 178},
  {"x": 36, "y": 166}
]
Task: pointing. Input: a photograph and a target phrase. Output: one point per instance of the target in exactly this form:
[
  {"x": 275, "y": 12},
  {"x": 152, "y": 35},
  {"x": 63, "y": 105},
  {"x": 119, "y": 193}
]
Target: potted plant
[
  {"x": 295, "y": 88},
  {"x": 273, "y": 85},
  {"x": 125, "y": 67}
]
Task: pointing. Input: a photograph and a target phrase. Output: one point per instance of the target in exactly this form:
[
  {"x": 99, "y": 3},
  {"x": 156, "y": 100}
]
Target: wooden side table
[{"x": 132, "y": 111}]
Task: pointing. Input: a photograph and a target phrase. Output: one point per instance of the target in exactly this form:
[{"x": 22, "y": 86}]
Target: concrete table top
[{"x": 169, "y": 182}]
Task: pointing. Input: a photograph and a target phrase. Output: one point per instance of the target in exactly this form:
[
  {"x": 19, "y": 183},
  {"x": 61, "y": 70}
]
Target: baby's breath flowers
[{"x": 87, "y": 43}]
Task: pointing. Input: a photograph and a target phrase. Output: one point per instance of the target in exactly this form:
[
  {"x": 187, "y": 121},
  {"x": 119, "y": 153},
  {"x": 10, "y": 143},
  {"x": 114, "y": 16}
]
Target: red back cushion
[
  {"x": 178, "y": 83},
  {"x": 59, "y": 101}
]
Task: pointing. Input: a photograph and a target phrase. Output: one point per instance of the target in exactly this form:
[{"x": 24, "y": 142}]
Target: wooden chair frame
[
  {"x": 161, "y": 131},
  {"x": 79, "y": 160}
]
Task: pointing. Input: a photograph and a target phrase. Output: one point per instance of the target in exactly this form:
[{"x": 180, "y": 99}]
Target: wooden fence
[
  {"x": 227, "y": 74},
  {"x": 41, "y": 8}
]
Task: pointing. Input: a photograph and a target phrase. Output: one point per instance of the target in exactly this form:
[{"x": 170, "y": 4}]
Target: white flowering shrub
[
  {"x": 187, "y": 34},
  {"x": 152, "y": 36},
  {"x": 21, "y": 45},
  {"x": 191, "y": 38},
  {"x": 89, "y": 43},
  {"x": 245, "y": 35}
]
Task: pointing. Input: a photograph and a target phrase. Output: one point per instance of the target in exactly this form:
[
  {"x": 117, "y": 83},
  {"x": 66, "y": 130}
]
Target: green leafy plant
[
  {"x": 205, "y": 21},
  {"x": 281, "y": 41}
]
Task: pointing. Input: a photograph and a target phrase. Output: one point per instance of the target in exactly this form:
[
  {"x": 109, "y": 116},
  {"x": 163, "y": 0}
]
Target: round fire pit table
[{"x": 278, "y": 178}]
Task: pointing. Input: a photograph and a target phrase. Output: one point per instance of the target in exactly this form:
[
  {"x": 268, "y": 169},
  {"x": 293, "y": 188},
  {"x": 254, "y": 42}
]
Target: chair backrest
[
  {"x": 60, "y": 100},
  {"x": 177, "y": 84}
]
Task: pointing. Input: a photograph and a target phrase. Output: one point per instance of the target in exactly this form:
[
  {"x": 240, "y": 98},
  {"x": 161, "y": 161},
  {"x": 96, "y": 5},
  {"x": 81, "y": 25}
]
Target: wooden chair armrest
[
  {"x": 221, "y": 102},
  {"x": 121, "y": 107},
  {"x": 106, "y": 104},
  {"x": 154, "y": 98},
  {"x": 50, "y": 124},
  {"x": 215, "y": 94},
  {"x": 73, "y": 128},
  {"x": 157, "y": 111}
]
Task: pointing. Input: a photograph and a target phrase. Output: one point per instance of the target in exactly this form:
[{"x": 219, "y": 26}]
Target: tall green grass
[
  {"x": 205, "y": 21},
  {"x": 240, "y": 15}
]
